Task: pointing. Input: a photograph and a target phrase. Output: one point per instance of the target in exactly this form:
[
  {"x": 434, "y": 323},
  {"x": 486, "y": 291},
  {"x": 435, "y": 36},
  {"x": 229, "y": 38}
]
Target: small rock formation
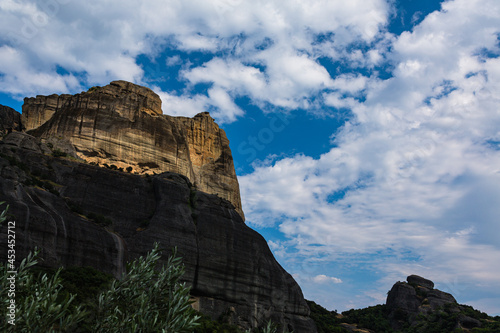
[
  {"x": 121, "y": 125},
  {"x": 10, "y": 120},
  {"x": 409, "y": 302}
]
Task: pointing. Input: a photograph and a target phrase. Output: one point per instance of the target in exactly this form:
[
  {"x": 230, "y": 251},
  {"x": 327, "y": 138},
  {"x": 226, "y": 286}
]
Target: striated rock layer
[
  {"x": 121, "y": 125},
  {"x": 84, "y": 215}
]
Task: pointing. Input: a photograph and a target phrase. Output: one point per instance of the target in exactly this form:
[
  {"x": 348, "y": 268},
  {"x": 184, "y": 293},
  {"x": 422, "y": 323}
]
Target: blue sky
[{"x": 366, "y": 134}]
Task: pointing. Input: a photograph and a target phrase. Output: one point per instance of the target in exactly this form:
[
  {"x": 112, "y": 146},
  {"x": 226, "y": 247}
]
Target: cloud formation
[
  {"x": 411, "y": 182},
  {"x": 412, "y": 179},
  {"x": 265, "y": 50}
]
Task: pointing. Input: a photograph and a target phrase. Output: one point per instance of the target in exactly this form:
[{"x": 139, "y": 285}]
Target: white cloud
[
  {"x": 227, "y": 110},
  {"x": 326, "y": 279},
  {"x": 230, "y": 76},
  {"x": 182, "y": 105},
  {"x": 412, "y": 181},
  {"x": 98, "y": 43},
  {"x": 174, "y": 61},
  {"x": 411, "y": 173}
]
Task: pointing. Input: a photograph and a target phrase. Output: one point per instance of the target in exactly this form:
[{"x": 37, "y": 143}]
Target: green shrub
[
  {"x": 146, "y": 300},
  {"x": 100, "y": 219},
  {"x": 74, "y": 207},
  {"x": 85, "y": 282},
  {"x": 58, "y": 153},
  {"x": 40, "y": 306},
  {"x": 373, "y": 317},
  {"x": 326, "y": 321}
]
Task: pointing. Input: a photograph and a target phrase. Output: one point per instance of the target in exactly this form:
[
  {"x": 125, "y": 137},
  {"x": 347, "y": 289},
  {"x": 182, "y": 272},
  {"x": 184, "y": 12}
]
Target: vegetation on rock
[{"x": 376, "y": 319}]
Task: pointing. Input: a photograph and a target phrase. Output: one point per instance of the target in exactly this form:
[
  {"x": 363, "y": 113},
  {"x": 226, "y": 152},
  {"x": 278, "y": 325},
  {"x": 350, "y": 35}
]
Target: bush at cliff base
[{"x": 144, "y": 300}]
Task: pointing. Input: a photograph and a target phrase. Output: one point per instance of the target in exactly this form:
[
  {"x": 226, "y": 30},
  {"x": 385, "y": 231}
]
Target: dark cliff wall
[
  {"x": 10, "y": 120},
  {"x": 84, "y": 215}
]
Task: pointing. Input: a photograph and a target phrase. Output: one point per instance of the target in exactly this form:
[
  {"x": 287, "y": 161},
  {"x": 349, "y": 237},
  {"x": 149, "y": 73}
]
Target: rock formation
[
  {"x": 10, "y": 120},
  {"x": 81, "y": 214},
  {"x": 415, "y": 301},
  {"x": 84, "y": 215},
  {"x": 121, "y": 125}
]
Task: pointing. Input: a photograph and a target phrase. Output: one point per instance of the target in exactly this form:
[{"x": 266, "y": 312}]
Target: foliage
[
  {"x": 473, "y": 313},
  {"x": 59, "y": 153},
  {"x": 15, "y": 162},
  {"x": 100, "y": 219},
  {"x": 40, "y": 306},
  {"x": 373, "y": 317},
  {"x": 207, "y": 325},
  {"x": 326, "y": 321},
  {"x": 74, "y": 207},
  {"x": 85, "y": 282},
  {"x": 146, "y": 300},
  {"x": 269, "y": 328},
  {"x": 3, "y": 215}
]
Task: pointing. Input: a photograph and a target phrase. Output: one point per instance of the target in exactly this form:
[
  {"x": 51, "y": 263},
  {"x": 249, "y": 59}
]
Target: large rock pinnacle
[{"x": 122, "y": 125}]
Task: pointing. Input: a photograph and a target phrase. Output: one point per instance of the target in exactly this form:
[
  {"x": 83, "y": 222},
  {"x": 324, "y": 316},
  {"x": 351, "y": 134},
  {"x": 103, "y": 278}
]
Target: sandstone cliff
[
  {"x": 121, "y": 125},
  {"x": 84, "y": 215}
]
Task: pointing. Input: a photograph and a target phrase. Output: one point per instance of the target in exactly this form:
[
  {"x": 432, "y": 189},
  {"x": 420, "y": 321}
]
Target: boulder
[{"x": 420, "y": 281}]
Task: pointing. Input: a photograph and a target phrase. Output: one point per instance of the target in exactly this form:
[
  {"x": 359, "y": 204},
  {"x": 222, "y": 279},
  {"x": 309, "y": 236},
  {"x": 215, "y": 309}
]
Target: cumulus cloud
[
  {"x": 411, "y": 184},
  {"x": 269, "y": 49},
  {"x": 412, "y": 179},
  {"x": 326, "y": 279}
]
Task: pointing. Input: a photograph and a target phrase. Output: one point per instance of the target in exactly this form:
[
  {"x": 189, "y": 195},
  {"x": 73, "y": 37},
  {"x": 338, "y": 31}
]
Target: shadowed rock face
[
  {"x": 228, "y": 265},
  {"x": 10, "y": 120},
  {"x": 122, "y": 125}
]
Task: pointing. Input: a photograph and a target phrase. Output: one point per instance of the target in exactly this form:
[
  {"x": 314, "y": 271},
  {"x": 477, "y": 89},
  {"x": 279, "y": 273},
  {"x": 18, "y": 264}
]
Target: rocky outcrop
[
  {"x": 122, "y": 126},
  {"x": 10, "y": 120},
  {"x": 84, "y": 215},
  {"x": 414, "y": 302},
  {"x": 211, "y": 158}
]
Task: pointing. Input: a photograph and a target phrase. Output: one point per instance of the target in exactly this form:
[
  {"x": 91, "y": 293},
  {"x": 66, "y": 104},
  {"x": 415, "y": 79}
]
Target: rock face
[
  {"x": 122, "y": 125},
  {"x": 409, "y": 302},
  {"x": 84, "y": 215},
  {"x": 10, "y": 120}
]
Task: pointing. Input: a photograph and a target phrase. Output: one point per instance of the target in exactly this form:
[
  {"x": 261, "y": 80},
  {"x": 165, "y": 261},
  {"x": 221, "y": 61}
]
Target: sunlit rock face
[{"x": 121, "y": 125}]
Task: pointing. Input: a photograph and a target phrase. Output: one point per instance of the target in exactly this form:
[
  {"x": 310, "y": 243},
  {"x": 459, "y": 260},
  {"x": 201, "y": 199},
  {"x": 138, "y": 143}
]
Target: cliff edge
[{"x": 122, "y": 126}]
